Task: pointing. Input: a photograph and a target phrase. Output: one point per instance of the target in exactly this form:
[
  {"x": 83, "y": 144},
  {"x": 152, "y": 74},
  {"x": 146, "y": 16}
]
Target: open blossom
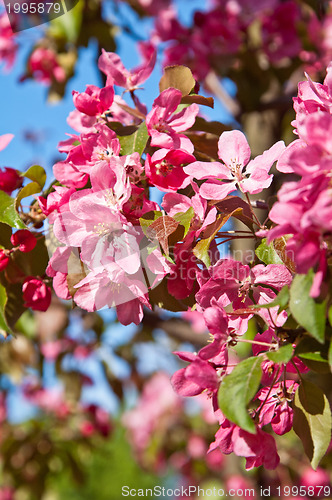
[
  {"x": 164, "y": 124},
  {"x": 230, "y": 282},
  {"x": 111, "y": 64},
  {"x": 165, "y": 169},
  {"x": 236, "y": 171},
  {"x": 277, "y": 408},
  {"x": 94, "y": 101},
  {"x": 303, "y": 211},
  {"x": 258, "y": 449}
]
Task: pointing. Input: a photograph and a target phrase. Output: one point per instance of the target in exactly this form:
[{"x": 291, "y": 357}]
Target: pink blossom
[
  {"x": 111, "y": 64},
  {"x": 94, "y": 101},
  {"x": 316, "y": 479},
  {"x": 36, "y": 294},
  {"x": 44, "y": 66},
  {"x": 58, "y": 269},
  {"x": 8, "y": 46},
  {"x": 229, "y": 282},
  {"x": 163, "y": 125},
  {"x": 49, "y": 400},
  {"x": 236, "y": 169},
  {"x": 195, "y": 378},
  {"x": 279, "y": 32},
  {"x": 157, "y": 407},
  {"x": 259, "y": 449},
  {"x": 165, "y": 169},
  {"x": 276, "y": 409},
  {"x": 112, "y": 288}
]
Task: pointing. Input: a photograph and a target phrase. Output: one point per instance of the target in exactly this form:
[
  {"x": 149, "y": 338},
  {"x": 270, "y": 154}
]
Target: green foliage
[
  {"x": 185, "y": 218},
  {"x": 267, "y": 254},
  {"x": 36, "y": 173},
  {"x": 201, "y": 250},
  {"x": 110, "y": 467},
  {"x": 136, "y": 142},
  {"x": 8, "y": 212},
  {"x": 283, "y": 355},
  {"x": 307, "y": 312},
  {"x": 237, "y": 389},
  {"x": 312, "y": 421},
  {"x": 4, "y": 328}
]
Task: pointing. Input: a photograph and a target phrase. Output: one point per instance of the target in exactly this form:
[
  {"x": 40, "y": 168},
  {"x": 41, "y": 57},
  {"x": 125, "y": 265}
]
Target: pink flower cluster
[
  {"x": 227, "y": 283},
  {"x": 303, "y": 212},
  {"x": 218, "y": 35}
]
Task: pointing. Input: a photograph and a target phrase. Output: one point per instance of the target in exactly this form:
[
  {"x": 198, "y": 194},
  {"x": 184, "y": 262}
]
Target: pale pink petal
[
  {"x": 266, "y": 160},
  {"x": 5, "y": 140},
  {"x": 216, "y": 190},
  {"x": 233, "y": 148}
]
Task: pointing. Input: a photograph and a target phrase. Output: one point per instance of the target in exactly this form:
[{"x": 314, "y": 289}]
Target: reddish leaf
[
  {"x": 198, "y": 99},
  {"x": 279, "y": 244},
  {"x": 161, "y": 228},
  {"x": 232, "y": 203},
  {"x": 177, "y": 77}
]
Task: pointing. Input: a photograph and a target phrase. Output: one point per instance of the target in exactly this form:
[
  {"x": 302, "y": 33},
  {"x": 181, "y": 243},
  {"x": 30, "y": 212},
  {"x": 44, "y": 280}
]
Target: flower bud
[
  {"x": 24, "y": 240},
  {"x": 4, "y": 260},
  {"x": 10, "y": 180},
  {"x": 36, "y": 294}
]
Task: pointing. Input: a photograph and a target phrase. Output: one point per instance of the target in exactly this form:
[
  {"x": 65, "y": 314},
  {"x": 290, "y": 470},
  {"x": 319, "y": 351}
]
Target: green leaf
[
  {"x": 237, "y": 389},
  {"x": 68, "y": 26},
  {"x": 267, "y": 254},
  {"x": 28, "y": 190},
  {"x": 307, "y": 312},
  {"x": 313, "y": 354},
  {"x": 136, "y": 142},
  {"x": 201, "y": 250},
  {"x": 8, "y": 213},
  {"x": 330, "y": 315},
  {"x": 177, "y": 77},
  {"x": 330, "y": 354},
  {"x": 36, "y": 173},
  {"x": 4, "y": 328},
  {"x": 312, "y": 421},
  {"x": 185, "y": 218},
  {"x": 283, "y": 355}
]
